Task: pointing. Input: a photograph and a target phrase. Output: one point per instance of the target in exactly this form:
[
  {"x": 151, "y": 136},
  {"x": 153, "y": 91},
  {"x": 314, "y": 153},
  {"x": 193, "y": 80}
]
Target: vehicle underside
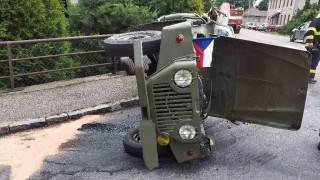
[{"x": 188, "y": 70}]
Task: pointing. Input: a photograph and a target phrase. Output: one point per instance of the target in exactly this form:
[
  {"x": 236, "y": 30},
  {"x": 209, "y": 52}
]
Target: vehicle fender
[
  {"x": 148, "y": 137},
  {"x": 171, "y": 49}
]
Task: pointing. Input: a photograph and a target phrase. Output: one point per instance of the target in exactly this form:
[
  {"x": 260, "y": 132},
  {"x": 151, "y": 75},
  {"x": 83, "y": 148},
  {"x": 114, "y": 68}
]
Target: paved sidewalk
[{"x": 64, "y": 96}]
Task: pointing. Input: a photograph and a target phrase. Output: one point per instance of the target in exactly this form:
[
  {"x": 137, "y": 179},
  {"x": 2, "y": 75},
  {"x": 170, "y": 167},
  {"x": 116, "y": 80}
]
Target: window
[
  {"x": 291, "y": 2},
  {"x": 280, "y": 18},
  {"x": 280, "y": 3},
  {"x": 273, "y": 4},
  {"x": 284, "y": 19},
  {"x": 276, "y": 4},
  {"x": 288, "y": 3},
  {"x": 288, "y": 18},
  {"x": 284, "y": 2}
]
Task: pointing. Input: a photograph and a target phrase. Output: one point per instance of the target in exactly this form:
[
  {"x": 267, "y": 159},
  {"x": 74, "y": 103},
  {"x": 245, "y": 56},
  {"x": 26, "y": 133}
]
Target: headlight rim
[
  {"x": 181, "y": 85},
  {"x": 194, "y": 133}
]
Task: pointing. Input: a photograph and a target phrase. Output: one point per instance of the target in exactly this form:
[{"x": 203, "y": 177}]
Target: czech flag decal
[{"x": 203, "y": 48}]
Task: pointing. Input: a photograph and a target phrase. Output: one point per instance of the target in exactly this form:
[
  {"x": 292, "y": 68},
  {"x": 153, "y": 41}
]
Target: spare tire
[
  {"x": 122, "y": 44},
  {"x": 132, "y": 145}
]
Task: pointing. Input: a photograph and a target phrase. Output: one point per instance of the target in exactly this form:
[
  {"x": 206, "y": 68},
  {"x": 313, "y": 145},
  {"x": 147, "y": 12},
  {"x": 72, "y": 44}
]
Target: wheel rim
[
  {"x": 135, "y": 35},
  {"x": 136, "y": 137}
]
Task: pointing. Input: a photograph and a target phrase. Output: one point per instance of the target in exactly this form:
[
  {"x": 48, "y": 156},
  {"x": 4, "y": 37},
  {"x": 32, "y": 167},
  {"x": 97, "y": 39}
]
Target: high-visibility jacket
[
  {"x": 313, "y": 33},
  {"x": 313, "y": 36}
]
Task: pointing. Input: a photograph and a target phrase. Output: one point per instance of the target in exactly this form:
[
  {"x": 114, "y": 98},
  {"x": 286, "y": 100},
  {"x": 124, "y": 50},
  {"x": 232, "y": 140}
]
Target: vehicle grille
[{"x": 171, "y": 107}]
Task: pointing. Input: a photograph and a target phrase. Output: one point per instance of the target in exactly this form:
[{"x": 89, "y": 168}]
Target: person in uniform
[
  {"x": 319, "y": 146},
  {"x": 312, "y": 45}
]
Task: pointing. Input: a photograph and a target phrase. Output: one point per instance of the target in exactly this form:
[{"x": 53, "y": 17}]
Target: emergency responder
[
  {"x": 319, "y": 145},
  {"x": 312, "y": 45},
  {"x": 319, "y": 142}
]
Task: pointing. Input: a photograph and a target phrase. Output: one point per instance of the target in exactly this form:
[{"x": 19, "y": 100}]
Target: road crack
[
  {"x": 48, "y": 175},
  {"x": 57, "y": 163}
]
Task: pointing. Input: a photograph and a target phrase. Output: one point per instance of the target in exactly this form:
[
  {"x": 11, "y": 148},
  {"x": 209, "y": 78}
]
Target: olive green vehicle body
[{"x": 247, "y": 81}]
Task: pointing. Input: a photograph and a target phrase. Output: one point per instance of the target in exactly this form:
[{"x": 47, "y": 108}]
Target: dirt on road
[{"x": 25, "y": 151}]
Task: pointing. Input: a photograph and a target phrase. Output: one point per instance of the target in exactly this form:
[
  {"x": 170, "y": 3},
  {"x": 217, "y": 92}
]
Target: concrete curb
[{"x": 44, "y": 121}]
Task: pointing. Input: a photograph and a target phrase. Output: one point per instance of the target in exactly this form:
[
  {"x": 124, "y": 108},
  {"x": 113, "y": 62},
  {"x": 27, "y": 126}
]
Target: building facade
[
  {"x": 254, "y": 15},
  {"x": 282, "y": 11}
]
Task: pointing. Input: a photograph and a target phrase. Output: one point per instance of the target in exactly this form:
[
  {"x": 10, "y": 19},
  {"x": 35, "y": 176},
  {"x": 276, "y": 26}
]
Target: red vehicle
[
  {"x": 234, "y": 15},
  {"x": 273, "y": 27}
]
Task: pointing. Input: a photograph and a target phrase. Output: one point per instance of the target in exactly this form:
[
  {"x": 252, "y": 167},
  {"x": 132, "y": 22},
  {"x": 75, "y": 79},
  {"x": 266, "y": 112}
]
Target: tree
[
  {"x": 33, "y": 19},
  {"x": 198, "y": 6},
  {"x": 103, "y": 17},
  {"x": 263, "y": 5},
  {"x": 207, "y": 4},
  {"x": 237, "y": 3},
  {"x": 164, "y": 7},
  {"x": 307, "y": 5}
]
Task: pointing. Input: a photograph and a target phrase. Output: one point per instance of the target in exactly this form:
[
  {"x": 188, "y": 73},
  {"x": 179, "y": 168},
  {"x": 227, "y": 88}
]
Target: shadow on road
[
  {"x": 5, "y": 172},
  {"x": 242, "y": 151}
]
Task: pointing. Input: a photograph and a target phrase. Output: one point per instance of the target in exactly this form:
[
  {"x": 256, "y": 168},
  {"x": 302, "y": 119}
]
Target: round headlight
[
  {"x": 183, "y": 78},
  {"x": 187, "y": 132}
]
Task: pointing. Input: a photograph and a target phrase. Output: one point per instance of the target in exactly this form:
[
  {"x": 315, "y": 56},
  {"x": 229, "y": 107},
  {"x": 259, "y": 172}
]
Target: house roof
[
  {"x": 273, "y": 15},
  {"x": 254, "y": 12}
]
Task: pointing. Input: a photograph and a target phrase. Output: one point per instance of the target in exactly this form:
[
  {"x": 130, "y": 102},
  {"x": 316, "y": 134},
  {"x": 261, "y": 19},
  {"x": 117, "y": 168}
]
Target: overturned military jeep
[{"x": 198, "y": 69}]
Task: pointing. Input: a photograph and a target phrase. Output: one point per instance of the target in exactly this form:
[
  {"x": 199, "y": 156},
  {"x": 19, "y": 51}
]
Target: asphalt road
[
  {"x": 269, "y": 38},
  {"x": 242, "y": 151}
]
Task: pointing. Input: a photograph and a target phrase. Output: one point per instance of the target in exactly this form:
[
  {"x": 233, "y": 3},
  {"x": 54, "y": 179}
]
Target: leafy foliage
[
  {"x": 104, "y": 17},
  {"x": 207, "y": 5},
  {"x": 238, "y": 3},
  {"x": 164, "y": 7},
  {"x": 33, "y": 19},
  {"x": 198, "y": 6},
  {"x": 263, "y": 5},
  {"x": 308, "y": 13}
]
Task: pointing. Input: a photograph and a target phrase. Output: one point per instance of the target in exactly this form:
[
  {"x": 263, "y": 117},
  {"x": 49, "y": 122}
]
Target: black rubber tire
[
  {"x": 122, "y": 44},
  {"x": 134, "y": 148},
  {"x": 237, "y": 31},
  {"x": 292, "y": 37}
]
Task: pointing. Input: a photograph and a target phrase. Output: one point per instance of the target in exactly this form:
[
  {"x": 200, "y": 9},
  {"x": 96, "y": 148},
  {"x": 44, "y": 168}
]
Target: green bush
[
  {"x": 33, "y": 19},
  {"x": 116, "y": 16},
  {"x": 105, "y": 17},
  {"x": 164, "y": 7}
]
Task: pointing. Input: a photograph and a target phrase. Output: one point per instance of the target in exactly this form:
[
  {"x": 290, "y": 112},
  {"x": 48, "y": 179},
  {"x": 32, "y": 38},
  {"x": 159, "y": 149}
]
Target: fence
[{"x": 29, "y": 62}]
